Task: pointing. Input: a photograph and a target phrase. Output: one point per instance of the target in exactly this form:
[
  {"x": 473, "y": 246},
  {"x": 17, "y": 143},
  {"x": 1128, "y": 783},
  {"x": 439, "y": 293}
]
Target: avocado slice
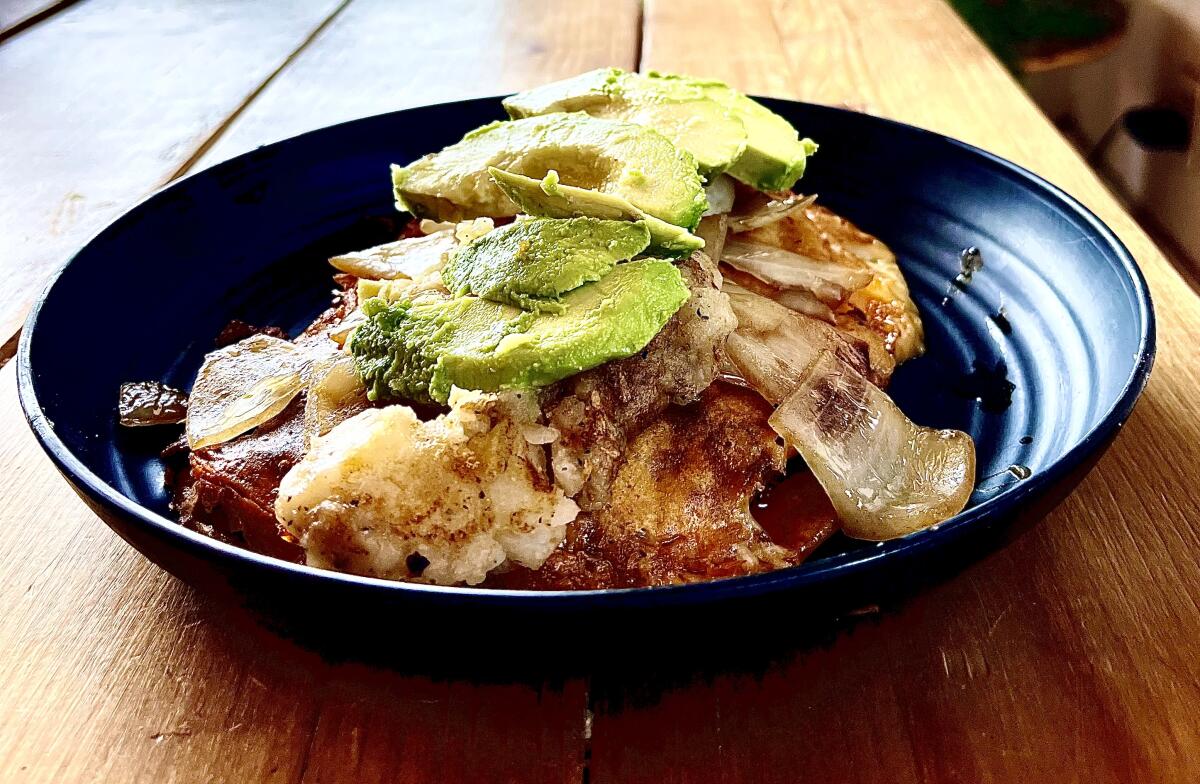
[
  {"x": 398, "y": 349},
  {"x": 532, "y": 263},
  {"x": 633, "y": 162},
  {"x": 775, "y": 155},
  {"x": 550, "y": 198},
  {"x": 612, "y": 318},
  {"x": 418, "y": 350},
  {"x": 715, "y": 136}
]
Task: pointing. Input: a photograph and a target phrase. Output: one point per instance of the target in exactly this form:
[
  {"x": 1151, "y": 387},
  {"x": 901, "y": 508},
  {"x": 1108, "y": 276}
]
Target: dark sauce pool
[{"x": 795, "y": 512}]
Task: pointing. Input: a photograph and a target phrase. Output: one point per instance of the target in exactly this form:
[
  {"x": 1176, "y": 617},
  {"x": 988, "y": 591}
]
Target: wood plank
[
  {"x": 369, "y": 61},
  {"x": 16, "y": 15},
  {"x": 111, "y": 670},
  {"x": 110, "y": 666},
  {"x": 376, "y": 727},
  {"x": 126, "y": 674},
  {"x": 1067, "y": 657},
  {"x": 105, "y": 101}
]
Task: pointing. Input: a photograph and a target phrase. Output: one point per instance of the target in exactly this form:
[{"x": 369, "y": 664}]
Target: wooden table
[{"x": 1072, "y": 655}]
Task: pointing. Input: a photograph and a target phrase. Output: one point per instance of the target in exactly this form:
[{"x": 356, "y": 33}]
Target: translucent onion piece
[
  {"x": 885, "y": 475},
  {"x": 335, "y": 393},
  {"x": 149, "y": 403},
  {"x": 719, "y": 193},
  {"x": 769, "y": 373},
  {"x": 712, "y": 230},
  {"x": 412, "y": 257},
  {"x": 770, "y": 212},
  {"x": 773, "y": 345},
  {"x": 883, "y": 364},
  {"x": 795, "y": 299},
  {"x": 829, "y": 281},
  {"x": 805, "y": 303},
  {"x": 538, "y": 434},
  {"x": 339, "y": 333},
  {"x": 241, "y": 386}
]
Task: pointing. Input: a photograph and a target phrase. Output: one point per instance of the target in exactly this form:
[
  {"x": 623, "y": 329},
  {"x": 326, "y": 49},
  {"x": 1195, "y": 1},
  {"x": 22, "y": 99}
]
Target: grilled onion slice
[
  {"x": 150, "y": 403},
  {"x": 766, "y": 212},
  {"x": 241, "y": 386},
  {"x": 335, "y": 393},
  {"x": 829, "y": 281},
  {"x": 412, "y": 257},
  {"x": 885, "y": 475},
  {"x": 773, "y": 345}
]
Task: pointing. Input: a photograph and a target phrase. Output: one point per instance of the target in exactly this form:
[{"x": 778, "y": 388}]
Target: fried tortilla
[{"x": 680, "y": 509}]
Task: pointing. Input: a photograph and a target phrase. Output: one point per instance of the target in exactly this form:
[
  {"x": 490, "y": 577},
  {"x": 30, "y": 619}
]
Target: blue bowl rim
[{"x": 807, "y": 574}]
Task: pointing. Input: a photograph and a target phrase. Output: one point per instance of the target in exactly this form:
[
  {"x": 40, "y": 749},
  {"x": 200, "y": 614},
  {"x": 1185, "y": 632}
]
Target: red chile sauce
[{"x": 795, "y": 512}]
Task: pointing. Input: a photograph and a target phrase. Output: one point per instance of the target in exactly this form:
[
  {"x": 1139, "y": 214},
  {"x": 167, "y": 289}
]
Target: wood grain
[
  {"x": 17, "y": 15},
  {"x": 149, "y": 681},
  {"x": 111, "y": 670},
  {"x": 1068, "y": 657},
  {"x": 379, "y": 56},
  {"x": 103, "y": 102}
]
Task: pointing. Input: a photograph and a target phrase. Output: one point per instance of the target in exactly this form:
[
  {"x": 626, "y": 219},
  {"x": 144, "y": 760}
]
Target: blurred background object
[
  {"x": 1040, "y": 35},
  {"x": 1120, "y": 79}
]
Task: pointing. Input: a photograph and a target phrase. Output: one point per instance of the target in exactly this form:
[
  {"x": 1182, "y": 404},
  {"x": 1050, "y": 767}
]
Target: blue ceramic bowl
[{"x": 1060, "y": 312}]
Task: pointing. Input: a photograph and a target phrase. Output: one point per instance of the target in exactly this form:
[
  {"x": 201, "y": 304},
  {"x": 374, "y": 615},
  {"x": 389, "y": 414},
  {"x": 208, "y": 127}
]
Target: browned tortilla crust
[
  {"x": 679, "y": 509},
  {"x": 230, "y": 488}
]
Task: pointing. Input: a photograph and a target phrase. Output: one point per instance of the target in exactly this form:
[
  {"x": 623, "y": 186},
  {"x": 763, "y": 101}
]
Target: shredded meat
[{"x": 597, "y": 412}]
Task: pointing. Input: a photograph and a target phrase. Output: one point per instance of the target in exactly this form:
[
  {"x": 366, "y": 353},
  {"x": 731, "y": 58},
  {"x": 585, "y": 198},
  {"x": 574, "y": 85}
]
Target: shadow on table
[{"x": 648, "y": 651}]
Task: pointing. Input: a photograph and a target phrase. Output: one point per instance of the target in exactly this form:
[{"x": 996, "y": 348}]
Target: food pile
[{"x": 606, "y": 327}]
